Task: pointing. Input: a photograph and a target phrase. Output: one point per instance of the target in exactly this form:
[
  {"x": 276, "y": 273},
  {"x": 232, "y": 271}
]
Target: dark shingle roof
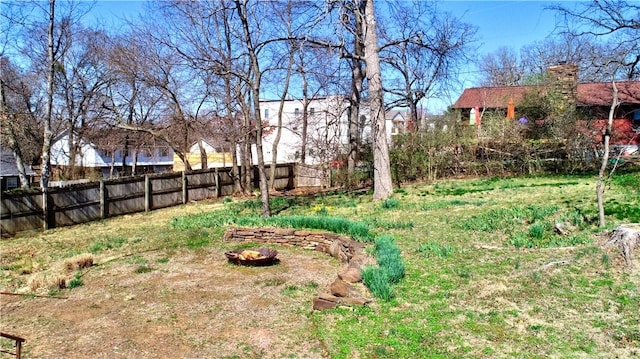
[{"x": 8, "y": 165}]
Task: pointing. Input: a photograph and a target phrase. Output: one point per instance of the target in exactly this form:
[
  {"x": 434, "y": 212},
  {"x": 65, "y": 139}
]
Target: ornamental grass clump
[
  {"x": 389, "y": 258},
  {"x": 357, "y": 230},
  {"x": 390, "y": 269},
  {"x": 377, "y": 280}
]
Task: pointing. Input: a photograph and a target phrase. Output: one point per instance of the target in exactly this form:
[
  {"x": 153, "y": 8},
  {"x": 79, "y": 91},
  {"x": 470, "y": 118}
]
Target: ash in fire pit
[{"x": 253, "y": 257}]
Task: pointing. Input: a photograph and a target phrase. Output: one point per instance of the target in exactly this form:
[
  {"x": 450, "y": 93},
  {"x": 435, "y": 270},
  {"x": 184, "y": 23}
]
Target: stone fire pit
[
  {"x": 252, "y": 257},
  {"x": 347, "y": 289}
]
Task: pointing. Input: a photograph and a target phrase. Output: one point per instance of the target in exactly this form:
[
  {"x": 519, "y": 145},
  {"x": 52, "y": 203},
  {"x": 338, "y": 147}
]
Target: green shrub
[
  {"x": 536, "y": 231},
  {"x": 385, "y": 224},
  {"x": 143, "y": 269},
  {"x": 520, "y": 241}
]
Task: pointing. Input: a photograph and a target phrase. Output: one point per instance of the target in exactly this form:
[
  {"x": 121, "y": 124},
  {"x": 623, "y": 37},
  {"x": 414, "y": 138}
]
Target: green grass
[
  {"x": 76, "y": 281},
  {"x": 483, "y": 273},
  {"x": 435, "y": 249},
  {"x": 107, "y": 243}
]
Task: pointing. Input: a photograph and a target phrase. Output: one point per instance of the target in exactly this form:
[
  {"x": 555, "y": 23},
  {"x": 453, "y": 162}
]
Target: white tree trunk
[
  {"x": 382, "y": 184},
  {"x": 605, "y": 158}
]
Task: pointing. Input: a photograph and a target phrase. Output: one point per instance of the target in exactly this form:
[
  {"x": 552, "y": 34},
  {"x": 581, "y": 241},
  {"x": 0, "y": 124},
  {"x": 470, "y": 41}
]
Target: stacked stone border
[{"x": 347, "y": 288}]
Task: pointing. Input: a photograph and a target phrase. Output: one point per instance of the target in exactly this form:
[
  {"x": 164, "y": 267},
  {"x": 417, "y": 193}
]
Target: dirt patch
[{"x": 191, "y": 305}]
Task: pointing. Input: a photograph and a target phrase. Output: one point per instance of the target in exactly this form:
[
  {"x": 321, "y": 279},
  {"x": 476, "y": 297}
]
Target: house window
[
  {"x": 296, "y": 111},
  {"x": 12, "y": 182},
  {"x": 636, "y": 118},
  {"x": 312, "y": 110},
  {"x": 164, "y": 151},
  {"x": 266, "y": 113}
]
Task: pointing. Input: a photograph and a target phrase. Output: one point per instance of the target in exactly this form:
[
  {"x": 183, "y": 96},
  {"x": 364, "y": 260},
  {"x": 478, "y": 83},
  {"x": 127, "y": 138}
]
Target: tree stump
[{"x": 627, "y": 238}]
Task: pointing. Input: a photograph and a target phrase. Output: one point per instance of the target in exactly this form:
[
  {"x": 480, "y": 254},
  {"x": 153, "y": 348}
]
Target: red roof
[
  {"x": 589, "y": 94},
  {"x": 601, "y": 93}
]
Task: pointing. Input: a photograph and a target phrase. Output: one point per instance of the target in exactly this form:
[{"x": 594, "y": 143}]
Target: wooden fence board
[{"x": 85, "y": 202}]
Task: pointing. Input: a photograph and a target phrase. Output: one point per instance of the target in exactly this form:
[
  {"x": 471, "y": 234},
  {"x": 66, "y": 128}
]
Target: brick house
[{"x": 594, "y": 99}]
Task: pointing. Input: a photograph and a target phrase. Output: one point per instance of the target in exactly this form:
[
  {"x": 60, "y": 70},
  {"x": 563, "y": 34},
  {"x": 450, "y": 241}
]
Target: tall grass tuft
[
  {"x": 390, "y": 203},
  {"x": 357, "y": 230},
  {"x": 377, "y": 280},
  {"x": 389, "y": 258},
  {"x": 436, "y": 249},
  {"x": 390, "y": 269}
]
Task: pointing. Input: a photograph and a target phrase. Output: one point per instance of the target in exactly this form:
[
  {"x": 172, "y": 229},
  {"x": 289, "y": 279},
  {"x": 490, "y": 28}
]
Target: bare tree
[
  {"x": 615, "y": 22},
  {"x": 605, "y": 158},
  {"x": 254, "y": 80},
  {"x": 382, "y": 182},
  {"x": 20, "y": 129},
  {"x": 422, "y": 52},
  {"x": 502, "y": 68},
  {"x": 81, "y": 82}
]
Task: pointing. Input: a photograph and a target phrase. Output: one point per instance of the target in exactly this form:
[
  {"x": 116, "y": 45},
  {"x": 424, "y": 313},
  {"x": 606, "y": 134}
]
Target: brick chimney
[{"x": 563, "y": 80}]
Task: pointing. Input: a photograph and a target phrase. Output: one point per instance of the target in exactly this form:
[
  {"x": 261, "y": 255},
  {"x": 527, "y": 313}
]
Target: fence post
[
  {"x": 104, "y": 205},
  {"x": 185, "y": 188},
  {"x": 216, "y": 179},
  {"x": 147, "y": 193},
  {"x": 290, "y": 179},
  {"x": 256, "y": 177}
]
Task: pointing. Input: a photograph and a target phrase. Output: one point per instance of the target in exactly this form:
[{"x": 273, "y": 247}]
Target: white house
[
  {"x": 112, "y": 160},
  {"x": 216, "y": 156},
  {"x": 327, "y": 129}
]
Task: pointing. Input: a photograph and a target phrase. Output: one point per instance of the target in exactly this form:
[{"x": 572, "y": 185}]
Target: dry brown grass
[
  {"x": 191, "y": 303},
  {"x": 81, "y": 261}
]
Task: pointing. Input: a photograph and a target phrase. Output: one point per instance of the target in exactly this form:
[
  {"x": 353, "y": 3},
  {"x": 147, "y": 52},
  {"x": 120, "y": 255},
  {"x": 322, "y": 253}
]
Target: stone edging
[{"x": 344, "y": 290}]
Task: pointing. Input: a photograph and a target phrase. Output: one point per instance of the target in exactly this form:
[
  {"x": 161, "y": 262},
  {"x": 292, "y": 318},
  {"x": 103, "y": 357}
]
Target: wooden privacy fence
[{"x": 86, "y": 202}]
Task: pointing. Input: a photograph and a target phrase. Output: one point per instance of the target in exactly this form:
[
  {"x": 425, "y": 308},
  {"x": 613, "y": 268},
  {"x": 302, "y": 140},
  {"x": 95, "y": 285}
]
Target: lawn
[{"x": 485, "y": 276}]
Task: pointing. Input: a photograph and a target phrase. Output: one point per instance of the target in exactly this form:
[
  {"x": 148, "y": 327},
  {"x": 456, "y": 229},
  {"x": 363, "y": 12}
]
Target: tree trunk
[
  {"x": 305, "y": 116},
  {"x": 382, "y": 183},
  {"x": 357, "y": 78},
  {"x": 203, "y": 156},
  {"x": 600, "y": 185},
  {"x": 134, "y": 160},
  {"x": 627, "y": 238},
  {"x": 46, "y": 145},
  {"x": 276, "y": 140},
  {"x": 241, "y": 6}
]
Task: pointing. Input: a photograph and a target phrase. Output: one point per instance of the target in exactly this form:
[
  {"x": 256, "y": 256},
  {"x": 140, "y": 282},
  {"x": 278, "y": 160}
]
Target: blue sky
[{"x": 500, "y": 23}]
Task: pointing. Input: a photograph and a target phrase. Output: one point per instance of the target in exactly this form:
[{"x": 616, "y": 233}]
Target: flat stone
[
  {"x": 323, "y": 304},
  {"x": 335, "y": 249},
  {"x": 351, "y": 275},
  {"x": 356, "y": 301},
  {"x": 340, "y": 288}
]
